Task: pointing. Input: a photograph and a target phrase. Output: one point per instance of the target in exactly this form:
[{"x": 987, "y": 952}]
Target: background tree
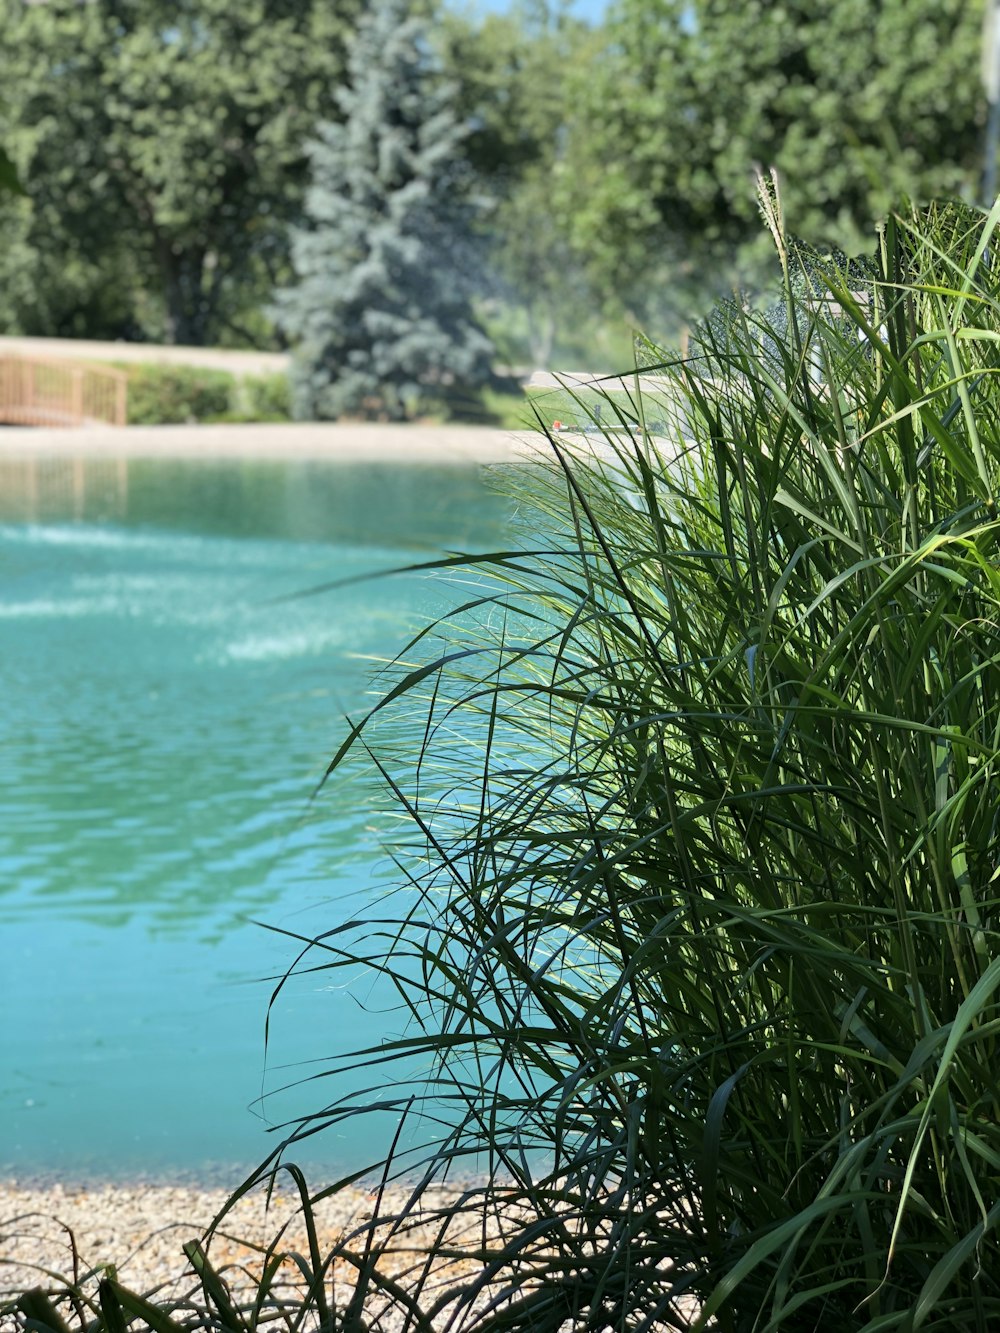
[
  {"x": 381, "y": 313},
  {"x": 856, "y": 103},
  {"x": 514, "y": 71},
  {"x": 162, "y": 144}
]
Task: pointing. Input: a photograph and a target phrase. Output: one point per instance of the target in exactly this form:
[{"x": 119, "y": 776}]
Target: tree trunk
[{"x": 188, "y": 311}]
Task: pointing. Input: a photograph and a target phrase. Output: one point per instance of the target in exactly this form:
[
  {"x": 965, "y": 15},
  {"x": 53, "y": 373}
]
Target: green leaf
[
  {"x": 140, "y": 1308},
  {"x": 945, "y": 1270},
  {"x": 215, "y": 1288},
  {"x": 775, "y": 1239},
  {"x": 9, "y": 179},
  {"x": 39, "y": 1309},
  {"x": 111, "y": 1307}
]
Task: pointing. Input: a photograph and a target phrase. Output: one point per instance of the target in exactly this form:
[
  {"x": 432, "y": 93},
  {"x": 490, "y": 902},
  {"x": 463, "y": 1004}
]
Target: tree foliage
[
  {"x": 381, "y": 313},
  {"x": 162, "y": 147},
  {"x": 855, "y": 103},
  {"x": 511, "y": 69},
  {"x": 9, "y": 181},
  {"x": 514, "y": 72}
]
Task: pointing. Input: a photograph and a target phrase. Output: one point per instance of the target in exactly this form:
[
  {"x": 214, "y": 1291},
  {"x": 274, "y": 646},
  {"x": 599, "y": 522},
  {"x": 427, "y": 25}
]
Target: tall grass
[{"x": 696, "y": 937}]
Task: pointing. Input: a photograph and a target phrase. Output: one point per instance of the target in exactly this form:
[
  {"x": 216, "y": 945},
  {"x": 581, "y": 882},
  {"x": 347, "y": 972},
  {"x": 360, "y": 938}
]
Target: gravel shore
[{"x": 53, "y": 1235}]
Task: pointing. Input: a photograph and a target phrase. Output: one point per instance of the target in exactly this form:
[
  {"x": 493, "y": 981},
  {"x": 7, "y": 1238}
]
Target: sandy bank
[{"x": 359, "y": 442}]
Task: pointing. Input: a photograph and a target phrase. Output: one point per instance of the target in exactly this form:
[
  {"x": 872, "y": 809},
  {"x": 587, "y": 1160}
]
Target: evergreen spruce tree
[{"x": 381, "y": 313}]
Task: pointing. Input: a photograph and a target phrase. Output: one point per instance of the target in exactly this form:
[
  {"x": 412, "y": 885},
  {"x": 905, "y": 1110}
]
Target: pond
[{"x": 169, "y": 704}]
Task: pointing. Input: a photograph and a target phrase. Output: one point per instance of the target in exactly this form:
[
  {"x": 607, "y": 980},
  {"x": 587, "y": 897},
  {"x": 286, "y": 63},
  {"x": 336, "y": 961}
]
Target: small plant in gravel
[{"x": 271, "y": 1286}]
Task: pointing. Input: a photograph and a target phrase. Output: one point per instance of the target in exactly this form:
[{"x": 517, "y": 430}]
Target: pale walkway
[
  {"x": 208, "y": 358},
  {"x": 359, "y": 441}
]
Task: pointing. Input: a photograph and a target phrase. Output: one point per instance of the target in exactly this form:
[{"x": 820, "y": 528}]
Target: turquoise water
[{"x": 167, "y": 710}]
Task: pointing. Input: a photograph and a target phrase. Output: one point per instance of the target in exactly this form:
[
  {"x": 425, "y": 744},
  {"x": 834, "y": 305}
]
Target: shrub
[
  {"x": 697, "y": 930},
  {"x": 163, "y": 394},
  {"x": 268, "y": 397}
]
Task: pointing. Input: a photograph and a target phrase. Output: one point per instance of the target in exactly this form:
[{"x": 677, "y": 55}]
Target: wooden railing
[{"x": 37, "y": 392}]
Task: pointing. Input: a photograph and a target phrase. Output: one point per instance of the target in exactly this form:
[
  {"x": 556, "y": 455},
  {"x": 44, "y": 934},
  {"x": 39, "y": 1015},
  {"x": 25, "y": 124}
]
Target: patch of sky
[{"x": 592, "y": 11}]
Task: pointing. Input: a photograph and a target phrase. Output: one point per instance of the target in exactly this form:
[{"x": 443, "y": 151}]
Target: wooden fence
[{"x": 39, "y": 392}]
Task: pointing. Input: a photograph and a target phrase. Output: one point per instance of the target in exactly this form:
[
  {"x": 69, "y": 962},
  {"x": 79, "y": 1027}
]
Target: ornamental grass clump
[{"x": 696, "y": 932}]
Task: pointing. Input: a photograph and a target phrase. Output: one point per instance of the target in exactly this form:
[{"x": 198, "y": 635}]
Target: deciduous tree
[
  {"x": 162, "y": 148},
  {"x": 514, "y": 71},
  {"x": 856, "y": 103}
]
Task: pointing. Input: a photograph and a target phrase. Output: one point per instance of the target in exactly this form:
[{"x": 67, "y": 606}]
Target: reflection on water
[
  {"x": 168, "y": 708},
  {"x": 424, "y": 505}
]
